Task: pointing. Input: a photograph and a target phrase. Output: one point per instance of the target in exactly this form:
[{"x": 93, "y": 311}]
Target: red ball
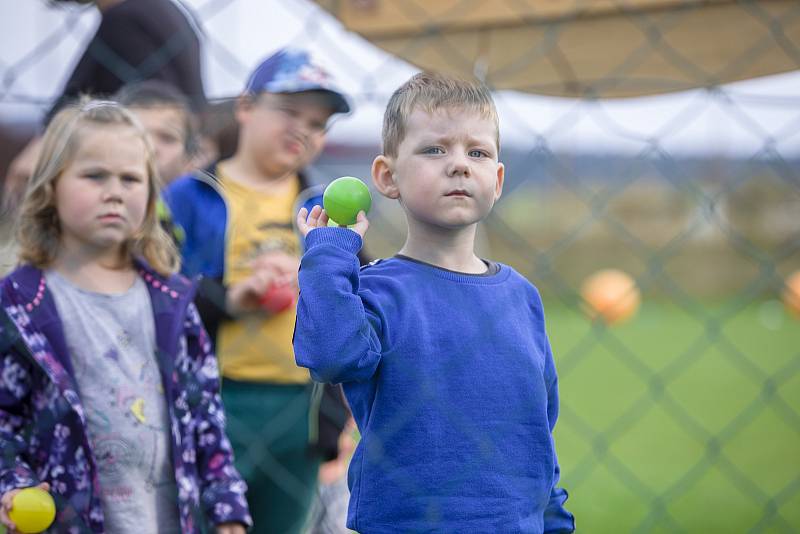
[{"x": 278, "y": 298}]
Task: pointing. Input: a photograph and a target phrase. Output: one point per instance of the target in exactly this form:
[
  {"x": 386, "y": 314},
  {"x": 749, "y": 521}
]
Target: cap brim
[{"x": 338, "y": 102}]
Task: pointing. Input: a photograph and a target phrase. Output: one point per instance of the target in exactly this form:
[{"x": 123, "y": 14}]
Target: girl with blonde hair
[{"x": 109, "y": 398}]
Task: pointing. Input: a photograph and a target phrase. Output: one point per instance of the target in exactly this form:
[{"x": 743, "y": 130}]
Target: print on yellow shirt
[{"x": 258, "y": 348}]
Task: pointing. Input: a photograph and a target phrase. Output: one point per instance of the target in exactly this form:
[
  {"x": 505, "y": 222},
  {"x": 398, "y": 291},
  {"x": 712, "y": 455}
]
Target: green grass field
[{"x": 680, "y": 421}]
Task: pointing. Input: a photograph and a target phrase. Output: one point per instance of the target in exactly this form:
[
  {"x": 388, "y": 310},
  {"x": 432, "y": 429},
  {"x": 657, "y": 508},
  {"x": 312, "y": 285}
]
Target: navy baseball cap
[{"x": 291, "y": 70}]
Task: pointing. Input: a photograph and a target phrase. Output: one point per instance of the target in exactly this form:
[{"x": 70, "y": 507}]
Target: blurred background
[{"x": 659, "y": 139}]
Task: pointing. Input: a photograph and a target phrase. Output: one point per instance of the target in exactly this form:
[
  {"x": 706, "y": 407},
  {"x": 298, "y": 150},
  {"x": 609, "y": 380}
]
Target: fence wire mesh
[{"x": 685, "y": 417}]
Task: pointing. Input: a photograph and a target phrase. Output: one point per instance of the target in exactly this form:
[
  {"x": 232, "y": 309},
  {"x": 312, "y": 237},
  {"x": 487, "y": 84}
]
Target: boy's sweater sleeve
[
  {"x": 223, "y": 491},
  {"x": 337, "y": 330},
  {"x": 556, "y": 518}
]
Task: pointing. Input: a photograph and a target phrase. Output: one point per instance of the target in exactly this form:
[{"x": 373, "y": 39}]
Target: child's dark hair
[{"x": 156, "y": 93}]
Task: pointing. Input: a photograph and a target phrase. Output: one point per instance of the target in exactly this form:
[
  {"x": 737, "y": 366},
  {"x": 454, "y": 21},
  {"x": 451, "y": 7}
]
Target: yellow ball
[
  {"x": 610, "y": 296},
  {"x": 32, "y": 510}
]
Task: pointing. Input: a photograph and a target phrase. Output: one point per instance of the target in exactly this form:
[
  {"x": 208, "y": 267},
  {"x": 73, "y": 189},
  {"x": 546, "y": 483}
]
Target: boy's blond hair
[
  {"x": 429, "y": 92},
  {"x": 38, "y": 230}
]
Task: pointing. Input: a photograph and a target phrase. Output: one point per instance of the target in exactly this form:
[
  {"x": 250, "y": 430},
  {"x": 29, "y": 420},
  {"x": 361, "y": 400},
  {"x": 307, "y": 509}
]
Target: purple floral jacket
[{"x": 43, "y": 435}]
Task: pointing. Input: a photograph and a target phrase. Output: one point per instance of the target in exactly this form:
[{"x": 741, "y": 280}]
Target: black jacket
[{"x": 139, "y": 40}]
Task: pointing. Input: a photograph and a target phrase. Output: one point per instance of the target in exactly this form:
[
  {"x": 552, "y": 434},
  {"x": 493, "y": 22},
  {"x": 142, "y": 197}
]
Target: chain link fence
[{"x": 686, "y": 417}]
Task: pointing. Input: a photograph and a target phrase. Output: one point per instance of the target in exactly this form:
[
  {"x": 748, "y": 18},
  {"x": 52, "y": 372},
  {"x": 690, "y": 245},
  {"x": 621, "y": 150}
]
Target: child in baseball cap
[
  {"x": 291, "y": 70},
  {"x": 237, "y": 217}
]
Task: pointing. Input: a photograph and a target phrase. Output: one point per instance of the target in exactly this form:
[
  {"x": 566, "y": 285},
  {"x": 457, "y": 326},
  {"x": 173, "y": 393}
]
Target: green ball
[{"x": 344, "y": 198}]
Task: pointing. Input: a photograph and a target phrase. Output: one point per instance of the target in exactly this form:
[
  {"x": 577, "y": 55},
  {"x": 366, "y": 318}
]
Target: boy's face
[
  {"x": 283, "y": 132},
  {"x": 166, "y": 128},
  {"x": 446, "y": 173}
]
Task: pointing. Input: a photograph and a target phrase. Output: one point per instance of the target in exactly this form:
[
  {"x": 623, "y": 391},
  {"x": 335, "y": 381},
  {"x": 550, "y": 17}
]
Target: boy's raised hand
[
  {"x": 6, "y": 503},
  {"x": 317, "y": 218},
  {"x": 307, "y": 221}
]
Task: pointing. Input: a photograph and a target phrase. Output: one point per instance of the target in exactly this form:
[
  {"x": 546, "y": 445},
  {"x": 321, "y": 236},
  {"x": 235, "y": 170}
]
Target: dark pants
[{"x": 268, "y": 426}]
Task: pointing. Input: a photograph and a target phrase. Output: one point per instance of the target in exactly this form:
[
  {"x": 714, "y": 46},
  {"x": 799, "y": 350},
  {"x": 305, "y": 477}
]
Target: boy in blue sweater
[{"x": 443, "y": 356}]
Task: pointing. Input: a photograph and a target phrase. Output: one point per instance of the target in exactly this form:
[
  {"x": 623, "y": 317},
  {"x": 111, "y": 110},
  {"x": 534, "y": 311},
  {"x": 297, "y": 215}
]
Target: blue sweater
[{"x": 452, "y": 384}]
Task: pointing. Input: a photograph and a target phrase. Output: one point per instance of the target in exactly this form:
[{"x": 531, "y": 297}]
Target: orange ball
[
  {"x": 610, "y": 296},
  {"x": 791, "y": 294}
]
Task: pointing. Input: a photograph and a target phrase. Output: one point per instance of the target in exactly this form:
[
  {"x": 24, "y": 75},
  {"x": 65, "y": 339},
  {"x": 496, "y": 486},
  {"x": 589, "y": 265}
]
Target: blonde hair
[
  {"x": 38, "y": 229},
  {"x": 432, "y": 91}
]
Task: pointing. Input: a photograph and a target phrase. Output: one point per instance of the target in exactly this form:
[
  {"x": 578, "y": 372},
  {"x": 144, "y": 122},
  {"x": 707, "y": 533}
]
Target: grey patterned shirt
[{"x": 111, "y": 342}]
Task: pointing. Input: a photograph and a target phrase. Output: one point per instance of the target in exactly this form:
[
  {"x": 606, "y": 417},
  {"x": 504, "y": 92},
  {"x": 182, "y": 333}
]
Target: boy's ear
[
  {"x": 383, "y": 177},
  {"x": 244, "y": 104},
  {"x": 501, "y": 176}
]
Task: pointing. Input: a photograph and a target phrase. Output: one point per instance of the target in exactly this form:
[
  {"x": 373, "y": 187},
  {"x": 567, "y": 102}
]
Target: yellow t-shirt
[{"x": 258, "y": 348}]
